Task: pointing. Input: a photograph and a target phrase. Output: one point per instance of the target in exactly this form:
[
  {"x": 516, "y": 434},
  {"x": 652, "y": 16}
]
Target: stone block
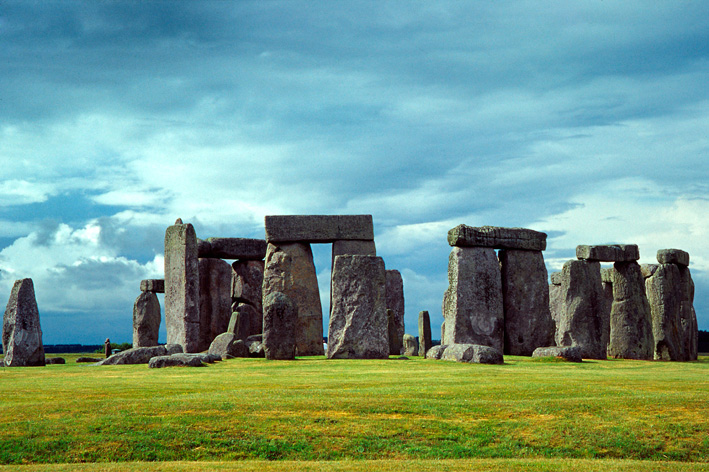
[
  {"x": 498, "y": 238},
  {"x": 279, "y": 320},
  {"x": 21, "y": 332},
  {"x": 630, "y": 320},
  {"x": 664, "y": 294},
  {"x": 472, "y": 353},
  {"x": 608, "y": 252},
  {"x": 673, "y": 256},
  {"x": 227, "y": 346},
  {"x": 688, "y": 317},
  {"x": 245, "y": 321},
  {"x": 318, "y": 228},
  {"x": 146, "y": 320},
  {"x": 410, "y": 346},
  {"x": 395, "y": 303},
  {"x": 345, "y": 247},
  {"x": 152, "y": 285},
  {"x": 555, "y": 278},
  {"x": 141, "y": 355},
  {"x": 648, "y": 270},
  {"x": 247, "y": 282},
  {"x": 176, "y": 360},
  {"x": 569, "y": 353},
  {"x": 436, "y": 352},
  {"x": 425, "y": 341},
  {"x": 244, "y": 249},
  {"x": 214, "y": 299}
]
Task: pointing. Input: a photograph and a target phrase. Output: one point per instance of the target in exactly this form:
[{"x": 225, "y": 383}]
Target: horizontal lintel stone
[
  {"x": 498, "y": 238},
  {"x": 318, "y": 228},
  {"x": 244, "y": 249},
  {"x": 673, "y": 256},
  {"x": 152, "y": 285},
  {"x": 608, "y": 252}
]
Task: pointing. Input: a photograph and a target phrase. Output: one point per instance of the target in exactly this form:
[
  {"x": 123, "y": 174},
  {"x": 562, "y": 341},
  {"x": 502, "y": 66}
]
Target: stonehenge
[{"x": 21, "y": 332}]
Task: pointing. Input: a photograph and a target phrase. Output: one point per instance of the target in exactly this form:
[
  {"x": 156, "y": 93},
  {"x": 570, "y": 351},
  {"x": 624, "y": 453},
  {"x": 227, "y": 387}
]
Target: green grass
[{"x": 420, "y": 414}]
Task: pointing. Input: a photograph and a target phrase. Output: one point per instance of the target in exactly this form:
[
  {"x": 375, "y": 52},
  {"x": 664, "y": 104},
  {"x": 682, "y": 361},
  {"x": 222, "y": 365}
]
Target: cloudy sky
[{"x": 587, "y": 120}]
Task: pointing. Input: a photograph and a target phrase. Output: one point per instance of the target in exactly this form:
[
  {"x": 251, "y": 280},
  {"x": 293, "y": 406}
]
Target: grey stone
[
  {"x": 569, "y": 353},
  {"x": 688, "y": 317},
  {"x": 473, "y": 307},
  {"x": 54, "y": 360},
  {"x": 247, "y": 281},
  {"x": 607, "y": 275},
  {"x": 279, "y": 321},
  {"x": 395, "y": 303},
  {"x": 152, "y": 285},
  {"x": 214, "y": 299},
  {"x": 21, "y": 332},
  {"x": 631, "y": 325},
  {"x": 472, "y": 353},
  {"x": 146, "y": 320},
  {"x": 555, "y": 278},
  {"x": 83, "y": 359},
  {"x": 182, "y": 312},
  {"x": 436, "y": 352},
  {"x": 525, "y": 296},
  {"x": 255, "y": 345},
  {"x": 244, "y": 249},
  {"x": 443, "y": 330},
  {"x": 226, "y": 346},
  {"x": 141, "y": 355},
  {"x": 358, "y": 321},
  {"x": 245, "y": 321},
  {"x": 673, "y": 256},
  {"x": 664, "y": 294},
  {"x": 556, "y": 304},
  {"x": 498, "y": 238},
  {"x": 318, "y": 228},
  {"x": 425, "y": 341},
  {"x": 346, "y": 247},
  {"x": 606, "y": 305},
  {"x": 648, "y": 270},
  {"x": 410, "y": 345},
  {"x": 290, "y": 270},
  {"x": 608, "y": 252},
  {"x": 176, "y": 360}
]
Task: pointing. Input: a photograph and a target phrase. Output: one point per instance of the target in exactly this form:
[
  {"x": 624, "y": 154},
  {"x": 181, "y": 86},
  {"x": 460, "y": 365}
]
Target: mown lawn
[{"x": 418, "y": 414}]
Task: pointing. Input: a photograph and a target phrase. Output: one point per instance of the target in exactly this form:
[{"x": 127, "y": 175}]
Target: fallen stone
[
  {"x": 176, "y": 360},
  {"x": 395, "y": 303},
  {"x": 631, "y": 325},
  {"x": 436, "y": 352},
  {"x": 608, "y": 252},
  {"x": 279, "y": 320},
  {"x": 555, "y": 278},
  {"x": 243, "y": 249},
  {"x": 425, "y": 341},
  {"x": 152, "y": 285},
  {"x": 21, "y": 332},
  {"x": 664, "y": 294},
  {"x": 569, "y": 353},
  {"x": 80, "y": 360},
  {"x": 246, "y": 282},
  {"x": 245, "y": 321},
  {"x": 146, "y": 320},
  {"x": 556, "y": 304},
  {"x": 673, "y": 256},
  {"x": 472, "y": 353},
  {"x": 141, "y": 355},
  {"x": 226, "y": 346},
  {"x": 410, "y": 345},
  {"x": 54, "y": 360},
  {"x": 318, "y": 228},
  {"x": 498, "y": 238},
  {"x": 606, "y": 305},
  {"x": 443, "y": 326}
]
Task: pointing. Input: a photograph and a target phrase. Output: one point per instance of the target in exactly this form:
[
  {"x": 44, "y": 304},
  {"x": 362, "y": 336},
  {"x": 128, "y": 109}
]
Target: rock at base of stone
[
  {"x": 226, "y": 346},
  {"x": 411, "y": 346},
  {"x": 569, "y": 353},
  {"x": 472, "y": 353},
  {"x": 436, "y": 352},
  {"x": 608, "y": 252},
  {"x": 498, "y": 238},
  {"x": 146, "y": 320},
  {"x": 673, "y": 256},
  {"x": 176, "y": 360},
  {"x": 21, "y": 332},
  {"x": 395, "y": 303},
  {"x": 425, "y": 341},
  {"x": 279, "y": 321},
  {"x": 631, "y": 324},
  {"x": 141, "y": 355},
  {"x": 55, "y": 360},
  {"x": 247, "y": 282}
]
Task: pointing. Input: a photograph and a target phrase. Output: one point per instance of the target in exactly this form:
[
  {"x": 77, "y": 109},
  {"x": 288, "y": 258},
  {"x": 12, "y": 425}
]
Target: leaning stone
[
  {"x": 358, "y": 320},
  {"x": 688, "y": 317},
  {"x": 436, "y": 352},
  {"x": 318, "y": 228},
  {"x": 141, "y": 355},
  {"x": 498, "y": 238},
  {"x": 569, "y": 353},
  {"x": 176, "y": 360},
  {"x": 425, "y": 341},
  {"x": 608, "y": 252},
  {"x": 673, "y": 256},
  {"x": 146, "y": 320},
  {"x": 443, "y": 330},
  {"x": 21, "y": 332},
  {"x": 555, "y": 278},
  {"x": 664, "y": 294},
  {"x": 54, "y": 360},
  {"x": 244, "y": 249},
  {"x": 245, "y": 321},
  {"x": 395, "y": 303},
  {"x": 82, "y": 359},
  {"x": 152, "y": 285},
  {"x": 214, "y": 299},
  {"x": 631, "y": 325},
  {"x": 279, "y": 320},
  {"x": 226, "y": 346},
  {"x": 472, "y": 353},
  {"x": 410, "y": 345},
  {"x": 246, "y": 282}
]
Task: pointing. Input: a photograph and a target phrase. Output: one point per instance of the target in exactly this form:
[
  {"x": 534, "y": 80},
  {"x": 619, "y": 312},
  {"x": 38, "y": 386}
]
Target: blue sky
[{"x": 587, "y": 120}]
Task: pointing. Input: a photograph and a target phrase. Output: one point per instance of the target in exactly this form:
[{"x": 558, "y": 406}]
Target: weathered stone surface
[
  {"x": 255, "y": 345},
  {"x": 279, "y": 321},
  {"x": 290, "y": 270},
  {"x": 525, "y": 296},
  {"x": 664, "y": 294},
  {"x": 152, "y": 285},
  {"x": 358, "y": 321},
  {"x": 473, "y": 307},
  {"x": 608, "y": 252},
  {"x": 498, "y": 238},
  {"x": 395, "y": 303},
  {"x": 569, "y": 353},
  {"x": 556, "y": 304},
  {"x": 182, "y": 313},
  {"x": 472, "y": 353},
  {"x": 425, "y": 341},
  {"x": 673, "y": 256},
  {"x": 580, "y": 320},
  {"x": 54, "y": 360},
  {"x": 226, "y": 346},
  {"x": 631, "y": 325},
  {"x": 607, "y": 275},
  {"x": 436, "y": 352},
  {"x": 21, "y": 332},
  {"x": 410, "y": 346},
  {"x": 688, "y": 317},
  {"x": 648, "y": 270},
  {"x": 443, "y": 329},
  {"x": 80, "y": 360},
  {"x": 555, "y": 278},
  {"x": 244, "y": 249},
  {"x": 346, "y": 247},
  {"x": 176, "y": 360},
  {"x": 606, "y": 305},
  {"x": 318, "y": 228},
  {"x": 245, "y": 321},
  {"x": 146, "y": 320},
  {"x": 141, "y": 355},
  {"x": 247, "y": 281},
  {"x": 214, "y": 299}
]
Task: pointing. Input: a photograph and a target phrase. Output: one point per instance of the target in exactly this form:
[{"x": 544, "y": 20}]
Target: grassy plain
[{"x": 318, "y": 414}]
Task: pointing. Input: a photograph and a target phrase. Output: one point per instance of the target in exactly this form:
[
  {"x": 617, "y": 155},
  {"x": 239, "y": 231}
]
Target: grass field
[{"x": 319, "y": 414}]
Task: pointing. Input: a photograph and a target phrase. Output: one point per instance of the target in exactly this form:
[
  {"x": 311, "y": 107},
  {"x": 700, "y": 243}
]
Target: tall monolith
[
  {"x": 395, "y": 303},
  {"x": 21, "y": 332},
  {"x": 146, "y": 320},
  {"x": 631, "y": 325}
]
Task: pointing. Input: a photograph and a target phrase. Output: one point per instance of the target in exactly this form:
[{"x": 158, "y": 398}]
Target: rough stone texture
[
  {"x": 395, "y": 303},
  {"x": 290, "y": 270},
  {"x": 353, "y": 246},
  {"x": 607, "y": 275},
  {"x": 146, "y": 320},
  {"x": 141, "y": 355},
  {"x": 177, "y": 360},
  {"x": 54, "y": 360},
  {"x": 21, "y": 332},
  {"x": 425, "y": 341},
  {"x": 247, "y": 281},
  {"x": 436, "y": 352},
  {"x": 631, "y": 325},
  {"x": 80, "y": 360},
  {"x": 245, "y": 321},
  {"x": 318, "y": 228},
  {"x": 648, "y": 270},
  {"x": 472, "y": 304},
  {"x": 152, "y": 285},
  {"x": 214, "y": 299},
  {"x": 443, "y": 329},
  {"x": 244, "y": 249},
  {"x": 673, "y": 256},
  {"x": 525, "y": 298},
  {"x": 556, "y": 304},
  {"x": 411, "y": 346},
  {"x": 472, "y": 353},
  {"x": 569, "y": 353},
  {"x": 279, "y": 320},
  {"x": 498, "y": 238},
  {"x": 664, "y": 294},
  {"x": 182, "y": 287},
  {"x": 580, "y": 321},
  {"x": 688, "y": 317},
  {"x": 608, "y": 252},
  {"x": 607, "y": 305},
  {"x": 226, "y": 346},
  {"x": 255, "y": 345},
  {"x": 358, "y": 320},
  {"x": 555, "y": 278}
]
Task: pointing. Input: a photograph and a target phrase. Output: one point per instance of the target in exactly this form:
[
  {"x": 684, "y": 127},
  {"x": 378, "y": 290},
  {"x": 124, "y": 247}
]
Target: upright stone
[
  {"x": 146, "y": 320},
  {"x": 473, "y": 307},
  {"x": 279, "y": 321},
  {"x": 607, "y": 291},
  {"x": 556, "y": 300},
  {"x": 21, "y": 332},
  {"x": 247, "y": 281},
  {"x": 245, "y": 321},
  {"x": 664, "y": 294},
  {"x": 318, "y": 228},
  {"x": 214, "y": 299},
  {"x": 410, "y": 346},
  {"x": 525, "y": 295},
  {"x": 290, "y": 270},
  {"x": 443, "y": 331},
  {"x": 425, "y": 341},
  {"x": 395, "y": 303},
  {"x": 358, "y": 320},
  {"x": 631, "y": 325},
  {"x": 182, "y": 311},
  {"x": 688, "y": 317}
]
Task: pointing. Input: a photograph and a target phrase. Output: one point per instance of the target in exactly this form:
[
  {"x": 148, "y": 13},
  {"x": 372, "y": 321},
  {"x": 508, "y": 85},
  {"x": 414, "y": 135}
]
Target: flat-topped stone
[
  {"x": 673, "y": 256},
  {"x": 318, "y": 228},
  {"x": 244, "y": 249},
  {"x": 498, "y": 238},
  {"x": 608, "y": 252},
  {"x": 152, "y": 285}
]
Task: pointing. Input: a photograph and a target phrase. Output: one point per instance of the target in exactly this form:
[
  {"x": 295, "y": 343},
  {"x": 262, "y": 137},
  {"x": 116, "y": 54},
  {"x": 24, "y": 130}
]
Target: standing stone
[
  {"x": 358, "y": 321},
  {"x": 279, "y": 320},
  {"x": 664, "y": 294},
  {"x": 525, "y": 295},
  {"x": 245, "y": 321},
  {"x": 107, "y": 347},
  {"x": 443, "y": 332},
  {"x": 425, "y": 341},
  {"x": 182, "y": 308},
  {"x": 688, "y": 317},
  {"x": 21, "y": 332},
  {"x": 146, "y": 320},
  {"x": 410, "y": 346},
  {"x": 395, "y": 303},
  {"x": 631, "y": 326},
  {"x": 247, "y": 281},
  {"x": 289, "y": 269},
  {"x": 580, "y": 321},
  {"x": 556, "y": 300},
  {"x": 607, "y": 291},
  {"x": 214, "y": 299},
  {"x": 473, "y": 307}
]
